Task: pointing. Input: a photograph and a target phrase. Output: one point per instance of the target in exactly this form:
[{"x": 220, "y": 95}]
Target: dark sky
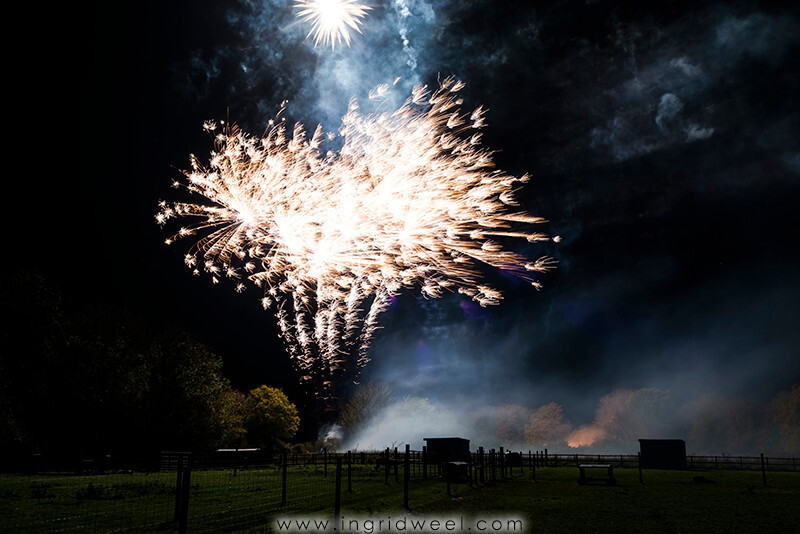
[{"x": 663, "y": 139}]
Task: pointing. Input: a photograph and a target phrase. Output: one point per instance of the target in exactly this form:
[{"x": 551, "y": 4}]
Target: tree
[
  {"x": 367, "y": 400},
  {"x": 97, "y": 379},
  {"x": 785, "y": 408},
  {"x": 31, "y": 340},
  {"x": 191, "y": 406},
  {"x": 232, "y": 411},
  {"x": 270, "y": 417},
  {"x": 511, "y": 420},
  {"x": 546, "y": 426}
]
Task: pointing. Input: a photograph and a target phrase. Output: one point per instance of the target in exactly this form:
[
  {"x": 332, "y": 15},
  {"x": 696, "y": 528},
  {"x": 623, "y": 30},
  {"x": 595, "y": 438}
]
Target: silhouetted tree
[
  {"x": 33, "y": 339},
  {"x": 546, "y": 426},
  {"x": 189, "y": 398},
  {"x": 785, "y": 408},
  {"x": 101, "y": 380},
  {"x": 233, "y": 411},
  {"x": 511, "y": 420},
  {"x": 365, "y": 402}
]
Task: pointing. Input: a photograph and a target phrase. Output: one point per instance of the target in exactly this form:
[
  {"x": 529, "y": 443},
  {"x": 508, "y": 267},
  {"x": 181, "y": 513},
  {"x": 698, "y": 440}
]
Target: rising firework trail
[
  {"x": 410, "y": 200},
  {"x": 331, "y": 20}
]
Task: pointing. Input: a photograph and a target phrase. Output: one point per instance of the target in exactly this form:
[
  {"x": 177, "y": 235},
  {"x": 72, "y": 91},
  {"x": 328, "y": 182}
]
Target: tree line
[{"x": 81, "y": 383}]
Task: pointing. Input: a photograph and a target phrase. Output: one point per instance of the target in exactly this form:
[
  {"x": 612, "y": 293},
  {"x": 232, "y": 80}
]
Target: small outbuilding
[
  {"x": 662, "y": 453},
  {"x": 451, "y": 457},
  {"x": 441, "y": 450}
]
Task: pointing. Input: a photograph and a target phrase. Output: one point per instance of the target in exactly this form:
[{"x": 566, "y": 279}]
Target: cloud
[
  {"x": 695, "y": 132},
  {"x": 792, "y": 162},
  {"x": 686, "y": 67},
  {"x": 621, "y": 139},
  {"x": 668, "y": 109},
  {"x": 757, "y": 35},
  {"x": 687, "y": 63}
]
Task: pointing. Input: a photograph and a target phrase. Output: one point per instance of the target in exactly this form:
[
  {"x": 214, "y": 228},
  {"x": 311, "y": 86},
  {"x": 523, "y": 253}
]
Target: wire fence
[
  {"x": 182, "y": 494},
  {"x": 693, "y": 462}
]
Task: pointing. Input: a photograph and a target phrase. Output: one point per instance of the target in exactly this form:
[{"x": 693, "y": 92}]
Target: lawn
[
  {"x": 247, "y": 500},
  {"x": 667, "y": 501}
]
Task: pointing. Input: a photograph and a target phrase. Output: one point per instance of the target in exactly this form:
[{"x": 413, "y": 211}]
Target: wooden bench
[{"x": 608, "y": 480}]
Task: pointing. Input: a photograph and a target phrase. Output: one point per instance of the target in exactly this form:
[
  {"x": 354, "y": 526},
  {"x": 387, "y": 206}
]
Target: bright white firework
[
  {"x": 331, "y": 20},
  {"x": 411, "y": 200}
]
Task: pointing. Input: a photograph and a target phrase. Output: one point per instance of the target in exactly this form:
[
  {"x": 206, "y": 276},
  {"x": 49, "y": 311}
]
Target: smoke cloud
[{"x": 580, "y": 375}]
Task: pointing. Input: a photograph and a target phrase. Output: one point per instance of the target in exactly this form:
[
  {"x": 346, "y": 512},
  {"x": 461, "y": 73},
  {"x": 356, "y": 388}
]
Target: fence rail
[
  {"x": 321, "y": 460},
  {"x": 740, "y": 463}
]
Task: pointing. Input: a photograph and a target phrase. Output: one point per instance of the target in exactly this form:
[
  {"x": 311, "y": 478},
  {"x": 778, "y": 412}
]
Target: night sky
[{"x": 662, "y": 138}]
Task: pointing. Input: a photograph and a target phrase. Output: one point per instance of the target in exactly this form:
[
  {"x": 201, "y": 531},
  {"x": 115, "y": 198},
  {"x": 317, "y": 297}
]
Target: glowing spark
[
  {"x": 331, "y": 20},
  {"x": 409, "y": 201}
]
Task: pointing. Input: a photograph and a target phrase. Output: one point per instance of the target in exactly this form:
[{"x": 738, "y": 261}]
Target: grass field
[
  {"x": 668, "y": 501},
  {"x": 247, "y": 500}
]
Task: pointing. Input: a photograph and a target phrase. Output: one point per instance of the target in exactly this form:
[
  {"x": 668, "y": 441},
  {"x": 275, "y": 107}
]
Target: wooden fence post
[
  {"x": 284, "y": 462},
  {"x": 473, "y": 479},
  {"x": 639, "y": 463},
  {"x": 387, "y": 467},
  {"x": 178, "y": 493},
  {"x": 337, "y": 498},
  {"x": 406, "y": 474},
  {"x": 349, "y": 471},
  {"x": 396, "y": 468},
  {"x": 183, "y": 517},
  {"x": 482, "y": 461},
  {"x": 763, "y": 470},
  {"x": 424, "y": 462}
]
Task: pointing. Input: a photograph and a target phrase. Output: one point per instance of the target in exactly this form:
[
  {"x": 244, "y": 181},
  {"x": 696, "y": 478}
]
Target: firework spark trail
[
  {"x": 331, "y": 20},
  {"x": 410, "y": 200}
]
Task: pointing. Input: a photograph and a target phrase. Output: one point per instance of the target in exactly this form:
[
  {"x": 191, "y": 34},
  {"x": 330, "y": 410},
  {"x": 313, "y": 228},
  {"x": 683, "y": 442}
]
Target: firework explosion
[
  {"x": 331, "y": 20},
  {"x": 410, "y": 200}
]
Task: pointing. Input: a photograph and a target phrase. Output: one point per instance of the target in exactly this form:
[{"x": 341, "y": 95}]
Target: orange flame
[{"x": 585, "y": 436}]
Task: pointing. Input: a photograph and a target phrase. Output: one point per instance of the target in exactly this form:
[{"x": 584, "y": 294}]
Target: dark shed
[
  {"x": 450, "y": 456},
  {"x": 663, "y": 453},
  {"x": 447, "y": 449}
]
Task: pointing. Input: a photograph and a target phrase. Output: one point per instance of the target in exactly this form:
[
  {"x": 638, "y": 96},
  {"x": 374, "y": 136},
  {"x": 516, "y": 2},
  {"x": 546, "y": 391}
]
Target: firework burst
[
  {"x": 331, "y": 20},
  {"x": 410, "y": 200}
]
